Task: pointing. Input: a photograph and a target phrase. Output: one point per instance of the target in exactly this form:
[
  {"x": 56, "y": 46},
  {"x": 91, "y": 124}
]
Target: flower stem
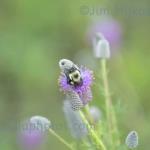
[
  {"x": 110, "y": 114},
  {"x": 61, "y": 139},
  {"x": 97, "y": 140},
  {"x": 87, "y": 109}
]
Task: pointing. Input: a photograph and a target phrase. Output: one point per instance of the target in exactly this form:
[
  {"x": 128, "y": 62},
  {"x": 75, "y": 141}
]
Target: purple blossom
[
  {"x": 83, "y": 90},
  {"x": 110, "y": 28},
  {"x": 31, "y": 139}
]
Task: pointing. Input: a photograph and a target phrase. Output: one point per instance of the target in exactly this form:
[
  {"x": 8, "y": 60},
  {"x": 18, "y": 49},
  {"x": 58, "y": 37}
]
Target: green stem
[
  {"x": 87, "y": 111},
  {"x": 110, "y": 114},
  {"x": 93, "y": 134},
  {"x": 106, "y": 94},
  {"x": 61, "y": 139}
]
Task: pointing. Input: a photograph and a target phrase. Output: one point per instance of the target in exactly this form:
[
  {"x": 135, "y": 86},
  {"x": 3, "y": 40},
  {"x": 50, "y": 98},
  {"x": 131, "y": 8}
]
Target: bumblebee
[{"x": 71, "y": 71}]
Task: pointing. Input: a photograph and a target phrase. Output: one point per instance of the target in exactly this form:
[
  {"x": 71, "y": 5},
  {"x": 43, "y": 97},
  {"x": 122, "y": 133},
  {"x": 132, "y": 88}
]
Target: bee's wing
[
  {"x": 76, "y": 67},
  {"x": 65, "y": 64}
]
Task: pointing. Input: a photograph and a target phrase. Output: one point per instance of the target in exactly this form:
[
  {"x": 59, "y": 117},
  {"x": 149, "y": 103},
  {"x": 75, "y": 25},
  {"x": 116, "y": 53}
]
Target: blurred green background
[{"x": 34, "y": 35}]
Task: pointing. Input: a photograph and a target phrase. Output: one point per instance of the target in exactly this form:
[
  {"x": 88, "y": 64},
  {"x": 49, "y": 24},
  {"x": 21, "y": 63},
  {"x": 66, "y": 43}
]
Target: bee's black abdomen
[{"x": 71, "y": 82}]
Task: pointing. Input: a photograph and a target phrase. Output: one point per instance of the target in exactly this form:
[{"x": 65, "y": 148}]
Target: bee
[{"x": 71, "y": 71}]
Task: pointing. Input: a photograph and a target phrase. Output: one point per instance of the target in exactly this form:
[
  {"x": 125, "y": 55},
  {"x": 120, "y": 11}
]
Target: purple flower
[
  {"x": 31, "y": 140},
  {"x": 30, "y": 137},
  {"x": 110, "y": 28},
  {"x": 83, "y": 90}
]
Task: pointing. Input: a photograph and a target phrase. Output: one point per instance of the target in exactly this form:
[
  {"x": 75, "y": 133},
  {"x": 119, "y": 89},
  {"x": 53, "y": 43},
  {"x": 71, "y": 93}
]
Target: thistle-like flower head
[
  {"x": 76, "y": 79},
  {"x": 40, "y": 123},
  {"x": 32, "y": 133}
]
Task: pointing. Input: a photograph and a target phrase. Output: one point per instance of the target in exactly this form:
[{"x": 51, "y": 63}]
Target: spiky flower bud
[
  {"x": 75, "y": 101},
  {"x": 40, "y": 123},
  {"x": 101, "y": 47},
  {"x": 74, "y": 121},
  {"x": 132, "y": 140}
]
